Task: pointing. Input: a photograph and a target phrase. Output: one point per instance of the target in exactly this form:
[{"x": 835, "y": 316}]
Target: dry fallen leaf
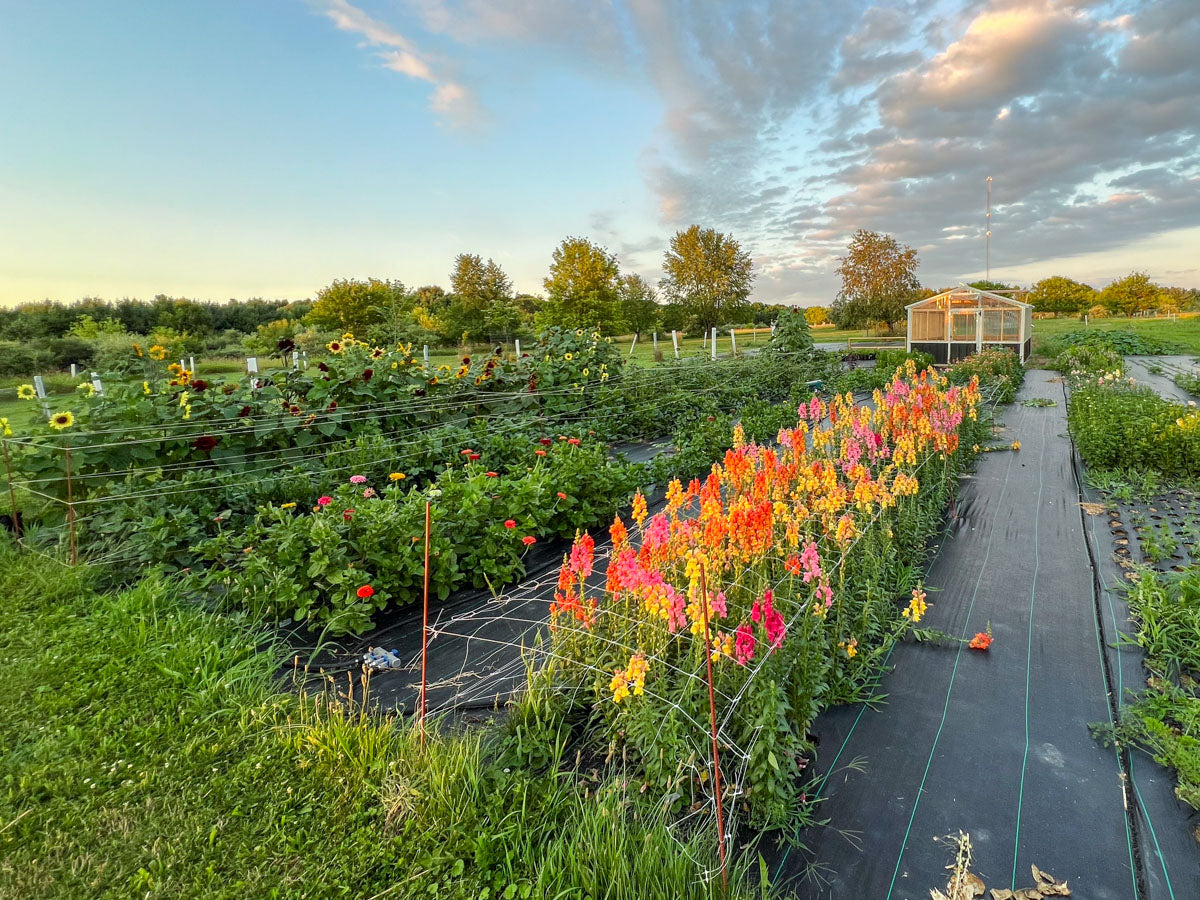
[
  {"x": 1092, "y": 509},
  {"x": 1002, "y": 894}
]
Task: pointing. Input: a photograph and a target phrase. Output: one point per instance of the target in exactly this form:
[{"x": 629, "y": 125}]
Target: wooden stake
[
  {"x": 712, "y": 713},
  {"x": 12, "y": 495},
  {"x": 425, "y": 624},
  {"x": 71, "y": 509}
]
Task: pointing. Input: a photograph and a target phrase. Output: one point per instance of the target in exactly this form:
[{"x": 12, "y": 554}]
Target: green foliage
[
  {"x": 1118, "y": 425},
  {"x": 709, "y": 274},
  {"x": 147, "y": 750},
  {"x": 583, "y": 288},
  {"x": 353, "y": 305},
  {"x": 1164, "y": 720},
  {"x": 879, "y": 278},
  {"x": 1061, "y": 296},
  {"x": 1189, "y": 382},
  {"x": 1131, "y": 294},
  {"x": 999, "y": 371},
  {"x": 792, "y": 334},
  {"x": 1123, "y": 341},
  {"x": 640, "y": 311},
  {"x": 1095, "y": 358}
]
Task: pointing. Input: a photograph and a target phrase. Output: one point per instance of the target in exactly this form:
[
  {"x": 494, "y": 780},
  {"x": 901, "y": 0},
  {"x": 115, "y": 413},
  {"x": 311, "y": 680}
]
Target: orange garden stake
[
  {"x": 425, "y": 624},
  {"x": 712, "y": 712}
]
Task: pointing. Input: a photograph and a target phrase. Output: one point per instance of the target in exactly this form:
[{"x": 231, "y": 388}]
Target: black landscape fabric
[{"x": 995, "y": 743}]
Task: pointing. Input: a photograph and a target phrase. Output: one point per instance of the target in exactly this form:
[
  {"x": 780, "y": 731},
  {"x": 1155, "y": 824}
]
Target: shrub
[
  {"x": 998, "y": 369},
  {"x": 1088, "y": 358},
  {"x": 1118, "y": 425}
]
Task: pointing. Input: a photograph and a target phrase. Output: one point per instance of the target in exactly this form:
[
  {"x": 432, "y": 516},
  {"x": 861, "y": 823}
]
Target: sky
[{"x": 266, "y": 147}]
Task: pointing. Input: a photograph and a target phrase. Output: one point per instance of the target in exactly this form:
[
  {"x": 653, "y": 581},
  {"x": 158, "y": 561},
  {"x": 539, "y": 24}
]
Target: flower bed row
[
  {"x": 784, "y": 566},
  {"x": 1118, "y": 424}
]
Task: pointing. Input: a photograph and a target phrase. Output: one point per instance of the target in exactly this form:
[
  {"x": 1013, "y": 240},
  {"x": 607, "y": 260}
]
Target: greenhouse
[{"x": 956, "y": 323}]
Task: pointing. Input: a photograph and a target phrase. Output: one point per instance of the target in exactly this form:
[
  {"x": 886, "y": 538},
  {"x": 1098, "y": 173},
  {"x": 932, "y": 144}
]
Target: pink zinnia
[
  {"x": 324, "y": 501},
  {"x": 358, "y": 479}
]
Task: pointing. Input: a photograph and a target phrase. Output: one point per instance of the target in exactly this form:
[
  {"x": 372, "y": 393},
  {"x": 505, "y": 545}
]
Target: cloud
[
  {"x": 399, "y": 54},
  {"x": 793, "y": 123}
]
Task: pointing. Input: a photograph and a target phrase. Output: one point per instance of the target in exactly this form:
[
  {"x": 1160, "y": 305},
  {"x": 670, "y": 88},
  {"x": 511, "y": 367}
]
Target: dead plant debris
[{"x": 964, "y": 884}]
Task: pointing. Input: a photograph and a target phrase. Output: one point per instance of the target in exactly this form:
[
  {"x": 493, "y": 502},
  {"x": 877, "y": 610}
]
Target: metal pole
[
  {"x": 71, "y": 508},
  {"x": 12, "y": 494},
  {"x": 989, "y": 228},
  {"x": 425, "y": 625},
  {"x": 712, "y": 714}
]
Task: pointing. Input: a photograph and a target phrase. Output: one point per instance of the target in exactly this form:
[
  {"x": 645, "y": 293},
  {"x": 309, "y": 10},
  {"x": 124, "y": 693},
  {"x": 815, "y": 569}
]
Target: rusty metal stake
[{"x": 712, "y": 712}]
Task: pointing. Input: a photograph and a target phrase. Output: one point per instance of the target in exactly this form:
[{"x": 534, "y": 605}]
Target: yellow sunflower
[
  {"x": 5, "y": 431},
  {"x": 158, "y": 351},
  {"x": 175, "y": 369},
  {"x": 137, "y": 348},
  {"x": 334, "y": 347},
  {"x": 62, "y": 420},
  {"x": 26, "y": 392}
]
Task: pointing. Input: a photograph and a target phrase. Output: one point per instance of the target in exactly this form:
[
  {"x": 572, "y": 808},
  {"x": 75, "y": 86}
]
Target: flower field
[{"x": 782, "y": 567}]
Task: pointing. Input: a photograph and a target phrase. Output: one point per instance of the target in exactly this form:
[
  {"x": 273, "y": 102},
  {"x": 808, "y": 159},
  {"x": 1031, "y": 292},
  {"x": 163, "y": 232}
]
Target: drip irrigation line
[
  {"x": 949, "y": 689},
  {"x": 1037, "y": 559}
]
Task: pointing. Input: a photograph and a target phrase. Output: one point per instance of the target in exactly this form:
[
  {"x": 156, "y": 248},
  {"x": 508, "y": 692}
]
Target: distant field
[{"x": 1184, "y": 331}]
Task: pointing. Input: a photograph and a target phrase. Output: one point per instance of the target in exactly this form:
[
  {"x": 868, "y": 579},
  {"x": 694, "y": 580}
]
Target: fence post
[
  {"x": 74, "y": 371},
  {"x": 97, "y": 384},
  {"x": 70, "y": 507},
  {"x": 425, "y": 624},
  {"x": 712, "y": 714},
  {"x": 39, "y": 387},
  {"x": 634, "y": 344},
  {"x": 517, "y": 344},
  {"x": 192, "y": 364},
  {"x": 654, "y": 337},
  {"x": 675, "y": 341},
  {"x": 713, "y": 343},
  {"x": 12, "y": 494},
  {"x": 733, "y": 341},
  {"x": 426, "y": 359}
]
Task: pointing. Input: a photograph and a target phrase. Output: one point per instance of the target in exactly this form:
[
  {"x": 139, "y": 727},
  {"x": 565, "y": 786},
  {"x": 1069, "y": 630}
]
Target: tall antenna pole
[{"x": 989, "y": 228}]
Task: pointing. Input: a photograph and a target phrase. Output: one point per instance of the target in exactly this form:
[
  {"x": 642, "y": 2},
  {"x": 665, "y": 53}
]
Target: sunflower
[
  {"x": 158, "y": 351},
  {"x": 137, "y": 348},
  {"x": 26, "y": 392},
  {"x": 335, "y": 346},
  {"x": 377, "y": 353},
  {"x": 5, "y": 431},
  {"x": 86, "y": 387},
  {"x": 175, "y": 369},
  {"x": 62, "y": 420}
]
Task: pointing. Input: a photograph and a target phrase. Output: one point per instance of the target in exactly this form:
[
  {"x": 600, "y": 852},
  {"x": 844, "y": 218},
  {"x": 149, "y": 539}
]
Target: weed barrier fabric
[
  {"x": 992, "y": 743},
  {"x": 1165, "y": 825},
  {"x": 1138, "y": 368}
]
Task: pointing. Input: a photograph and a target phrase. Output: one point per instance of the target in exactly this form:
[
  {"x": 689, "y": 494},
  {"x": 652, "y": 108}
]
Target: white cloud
[{"x": 399, "y": 54}]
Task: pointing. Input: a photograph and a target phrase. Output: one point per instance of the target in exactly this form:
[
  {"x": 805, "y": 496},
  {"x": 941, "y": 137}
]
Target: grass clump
[{"x": 146, "y": 749}]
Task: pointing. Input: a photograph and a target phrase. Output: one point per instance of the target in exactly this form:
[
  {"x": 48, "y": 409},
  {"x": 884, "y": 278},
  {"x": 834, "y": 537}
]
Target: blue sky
[{"x": 265, "y": 148}]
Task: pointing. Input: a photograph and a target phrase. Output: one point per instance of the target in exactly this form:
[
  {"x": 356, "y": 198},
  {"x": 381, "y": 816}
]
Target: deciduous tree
[
  {"x": 1061, "y": 296},
  {"x": 879, "y": 277},
  {"x": 583, "y": 287},
  {"x": 1133, "y": 293},
  {"x": 709, "y": 274}
]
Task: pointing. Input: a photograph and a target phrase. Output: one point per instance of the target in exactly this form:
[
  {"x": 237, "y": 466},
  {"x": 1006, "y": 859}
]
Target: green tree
[
  {"x": 1131, "y": 294},
  {"x": 639, "y": 304},
  {"x": 994, "y": 286},
  {"x": 709, "y": 274},
  {"x": 583, "y": 287},
  {"x": 879, "y": 277},
  {"x": 354, "y": 306},
  {"x": 475, "y": 286},
  {"x": 1061, "y": 296}
]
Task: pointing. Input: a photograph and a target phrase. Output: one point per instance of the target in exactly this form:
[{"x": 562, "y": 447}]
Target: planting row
[{"x": 783, "y": 568}]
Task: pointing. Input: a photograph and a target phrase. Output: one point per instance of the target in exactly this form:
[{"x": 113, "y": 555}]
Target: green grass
[
  {"x": 147, "y": 749},
  {"x": 1183, "y": 332}
]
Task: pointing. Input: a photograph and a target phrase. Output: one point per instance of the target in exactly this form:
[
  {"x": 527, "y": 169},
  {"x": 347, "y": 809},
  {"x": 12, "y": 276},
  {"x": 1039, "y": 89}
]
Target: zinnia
[
  {"x": 365, "y": 591},
  {"x": 324, "y": 501},
  {"x": 528, "y": 539},
  {"x": 510, "y": 523}
]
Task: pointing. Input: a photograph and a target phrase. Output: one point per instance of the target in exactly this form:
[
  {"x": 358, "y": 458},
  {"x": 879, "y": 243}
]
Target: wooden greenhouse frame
[{"x": 963, "y": 320}]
